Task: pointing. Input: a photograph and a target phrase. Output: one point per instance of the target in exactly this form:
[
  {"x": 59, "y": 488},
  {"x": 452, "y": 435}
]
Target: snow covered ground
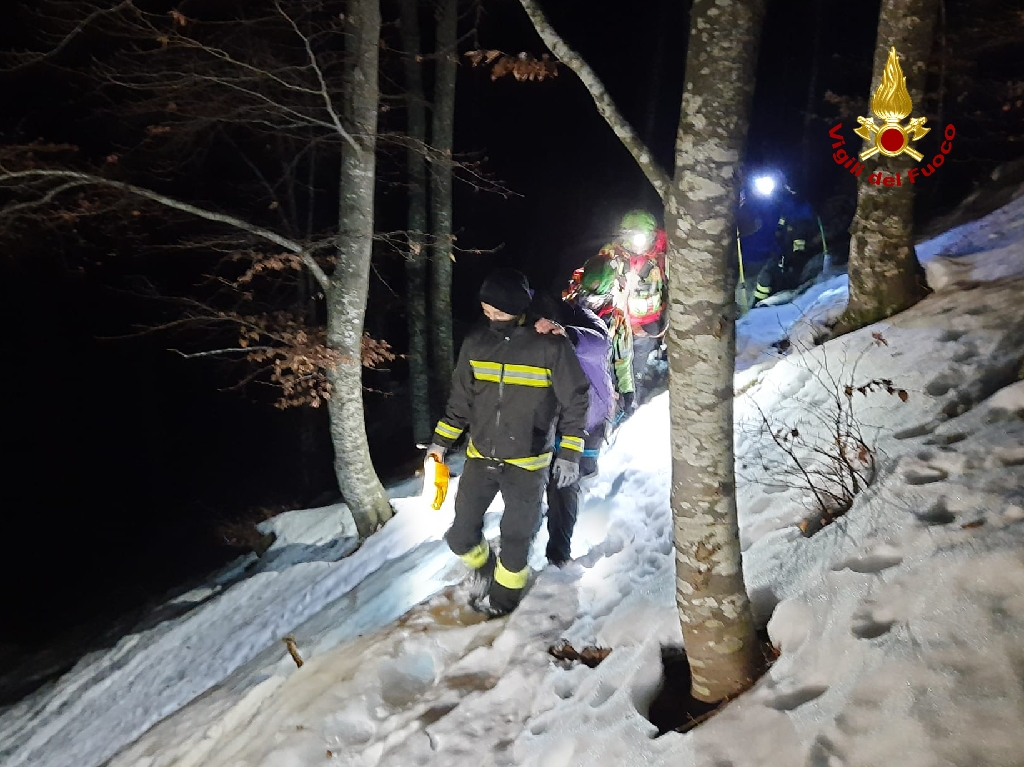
[{"x": 901, "y": 626}]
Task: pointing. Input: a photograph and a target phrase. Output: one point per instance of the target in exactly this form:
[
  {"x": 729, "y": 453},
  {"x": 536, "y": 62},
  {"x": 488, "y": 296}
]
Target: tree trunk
[
  {"x": 350, "y": 282},
  {"x": 714, "y": 611},
  {"x": 416, "y": 260},
  {"x": 442, "y": 140},
  {"x": 885, "y": 276}
]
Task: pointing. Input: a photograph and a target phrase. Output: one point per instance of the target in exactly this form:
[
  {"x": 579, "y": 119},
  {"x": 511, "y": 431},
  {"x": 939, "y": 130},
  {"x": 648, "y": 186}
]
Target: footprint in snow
[
  {"x": 793, "y": 699},
  {"x": 952, "y": 335},
  {"x": 941, "y": 384},
  {"x": 878, "y": 559},
  {"x": 937, "y": 514},
  {"x": 871, "y": 622},
  {"x": 916, "y": 472}
]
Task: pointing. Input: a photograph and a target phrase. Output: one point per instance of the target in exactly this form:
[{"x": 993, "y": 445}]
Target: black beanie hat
[{"x": 507, "y": 290}]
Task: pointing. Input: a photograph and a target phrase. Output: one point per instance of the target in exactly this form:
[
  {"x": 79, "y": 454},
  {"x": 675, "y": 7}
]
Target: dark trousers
[
  {"x": 642, "y": 348},
  {"x": 522, "y": 492},
  {"x": 564, "y": 503}
]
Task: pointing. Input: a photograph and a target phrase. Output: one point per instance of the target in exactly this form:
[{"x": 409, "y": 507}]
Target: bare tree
[
  {"x": 284, "y": 70},
  {"x": 885, "y": 276},
  {"x": 416, "y": 261},
  {"x": 700, "y": 209},
  {"x": 442, "y": 139}
]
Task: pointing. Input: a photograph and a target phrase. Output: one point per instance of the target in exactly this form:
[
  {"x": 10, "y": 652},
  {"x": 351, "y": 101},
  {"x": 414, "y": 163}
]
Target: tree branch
[
  {"x": 89, "y": 179},
  {"x": 328, "y": 101},
  {"x": 602, "y": 100}
]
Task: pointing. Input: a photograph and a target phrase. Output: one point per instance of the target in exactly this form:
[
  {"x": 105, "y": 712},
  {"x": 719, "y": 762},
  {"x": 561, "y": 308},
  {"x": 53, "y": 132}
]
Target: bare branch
[
  {"x": 215, "y": 352},
  {"x": 605, "y": 106},
  {"x": 328, "y": 102},
  {"x": 89, "y": 179}
]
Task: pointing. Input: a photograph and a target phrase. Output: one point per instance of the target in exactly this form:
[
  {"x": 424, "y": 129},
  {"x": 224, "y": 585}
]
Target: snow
[{"x": 899, "y": 625}]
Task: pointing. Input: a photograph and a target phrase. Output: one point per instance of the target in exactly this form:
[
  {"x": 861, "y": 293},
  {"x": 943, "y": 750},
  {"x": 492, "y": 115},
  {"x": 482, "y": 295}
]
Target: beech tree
[
  {"x": 885, "y": 276},
  {"x": 283, "y": 69},
  {"x": 700, "y": 218},
  {"x": 416, "y": 260}
]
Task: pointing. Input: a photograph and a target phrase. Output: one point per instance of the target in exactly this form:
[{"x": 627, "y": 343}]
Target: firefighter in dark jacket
[{"x": 513, "y": 389}]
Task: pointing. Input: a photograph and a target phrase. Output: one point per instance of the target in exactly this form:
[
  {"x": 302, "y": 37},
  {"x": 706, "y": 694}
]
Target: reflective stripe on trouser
[
  {"x": 476, "y": 557},
  {"x": 761, "y": 292},
  {"x": 508, "y": 579},
  {"x": 522, "y": 491}
]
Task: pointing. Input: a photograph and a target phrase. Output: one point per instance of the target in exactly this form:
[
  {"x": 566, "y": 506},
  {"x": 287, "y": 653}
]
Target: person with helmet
[
  {"x": 599, "y": 287},
  {"x": 513, "y": 389},
  {"x": 786, "y": 253},
  {"x": 639, "y": 254}
]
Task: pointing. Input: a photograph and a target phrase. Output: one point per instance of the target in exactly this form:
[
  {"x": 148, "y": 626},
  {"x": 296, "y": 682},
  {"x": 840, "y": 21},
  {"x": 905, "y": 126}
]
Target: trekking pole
[
  {"x": 826, "y": 257},
  {"x": 744, "y": 301}
]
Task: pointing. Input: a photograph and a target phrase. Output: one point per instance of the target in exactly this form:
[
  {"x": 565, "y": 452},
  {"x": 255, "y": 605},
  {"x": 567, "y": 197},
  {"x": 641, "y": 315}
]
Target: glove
[
  {"x": 628, "y": 402},
  {"x": 437, "y": 450},
  {"x": 565, "y": 473}
]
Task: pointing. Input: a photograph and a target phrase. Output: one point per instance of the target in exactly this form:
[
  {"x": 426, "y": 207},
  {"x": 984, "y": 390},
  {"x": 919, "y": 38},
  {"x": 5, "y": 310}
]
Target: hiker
[
  {"x": 598, "y": 287},
  {"x": 593, "y": 345},
  {"x": 639, "y": 255},
  {"x": 513, "y": 389}
]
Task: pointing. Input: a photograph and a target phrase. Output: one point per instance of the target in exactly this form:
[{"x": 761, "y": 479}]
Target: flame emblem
[{"x": 891, "y": 104}]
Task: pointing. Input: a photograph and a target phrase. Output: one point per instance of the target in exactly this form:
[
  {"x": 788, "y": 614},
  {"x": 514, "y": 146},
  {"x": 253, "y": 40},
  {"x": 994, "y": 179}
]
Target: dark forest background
[{"x": 125, "y": 465}]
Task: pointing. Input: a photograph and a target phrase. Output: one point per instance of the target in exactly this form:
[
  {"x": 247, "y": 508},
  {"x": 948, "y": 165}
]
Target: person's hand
[
  {"x": 565, "y": 473},
  {"x": 435, "y": 449},
  {"x": 544, "y": 326}
]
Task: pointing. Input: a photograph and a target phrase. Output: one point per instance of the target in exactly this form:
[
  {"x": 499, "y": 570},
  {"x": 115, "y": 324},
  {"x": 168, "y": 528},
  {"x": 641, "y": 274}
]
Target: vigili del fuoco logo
[{"x": 891, "y": 104}]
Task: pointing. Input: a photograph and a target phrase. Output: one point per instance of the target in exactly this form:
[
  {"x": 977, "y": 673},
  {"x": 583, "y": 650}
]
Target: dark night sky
[{"x": 124, "y": 453}]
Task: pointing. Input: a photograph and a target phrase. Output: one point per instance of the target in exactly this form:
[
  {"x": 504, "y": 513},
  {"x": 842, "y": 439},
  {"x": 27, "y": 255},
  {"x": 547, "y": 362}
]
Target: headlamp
[
  {"x": 638, "y": 241},
  {"x": 764, "y": 185}
]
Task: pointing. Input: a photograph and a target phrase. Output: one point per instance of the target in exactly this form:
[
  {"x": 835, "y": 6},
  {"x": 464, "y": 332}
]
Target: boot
[{"x": 480, "y": 579}]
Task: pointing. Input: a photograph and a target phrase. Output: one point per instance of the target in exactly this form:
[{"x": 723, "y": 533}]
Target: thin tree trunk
[
  {"x": 885, "y": 276},
  {"x": 442, "y": 139},
  {"x": 416, "y": 260},
  {"x": 714, "y": 611},
  {"x": 350, "y": 282}
]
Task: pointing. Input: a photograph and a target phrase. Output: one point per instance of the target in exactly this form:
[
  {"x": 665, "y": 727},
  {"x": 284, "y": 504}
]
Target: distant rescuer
[{"x": 513, "y": 388}]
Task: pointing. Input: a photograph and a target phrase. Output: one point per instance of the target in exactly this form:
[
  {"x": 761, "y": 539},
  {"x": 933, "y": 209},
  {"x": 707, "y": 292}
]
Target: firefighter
[
  {"x": 778, "y": 232},
  {"x": 513, "y": 389}
]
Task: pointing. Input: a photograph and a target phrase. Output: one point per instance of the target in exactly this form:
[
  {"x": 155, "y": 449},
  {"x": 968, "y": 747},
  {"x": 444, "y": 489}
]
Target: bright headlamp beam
[{"x": 764, "y": 185}]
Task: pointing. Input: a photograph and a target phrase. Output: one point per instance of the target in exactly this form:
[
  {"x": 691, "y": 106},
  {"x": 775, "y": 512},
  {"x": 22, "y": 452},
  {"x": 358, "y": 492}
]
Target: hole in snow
[{"x": 674, "y": 709}]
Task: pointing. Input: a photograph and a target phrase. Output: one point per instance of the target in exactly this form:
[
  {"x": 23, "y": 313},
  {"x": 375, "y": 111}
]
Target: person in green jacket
[{"x": 513, "y": 389}]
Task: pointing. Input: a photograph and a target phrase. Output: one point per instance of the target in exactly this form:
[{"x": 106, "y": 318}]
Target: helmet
[
  {"x": 640, "y": 221},
  {"x": 598, "y": 276}
]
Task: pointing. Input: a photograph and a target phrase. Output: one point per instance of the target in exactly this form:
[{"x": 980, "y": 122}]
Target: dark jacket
[{"x": 513, "y": 388}]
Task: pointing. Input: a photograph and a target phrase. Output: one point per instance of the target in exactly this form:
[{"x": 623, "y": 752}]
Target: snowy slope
[{"x": 900, "y": 625}]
